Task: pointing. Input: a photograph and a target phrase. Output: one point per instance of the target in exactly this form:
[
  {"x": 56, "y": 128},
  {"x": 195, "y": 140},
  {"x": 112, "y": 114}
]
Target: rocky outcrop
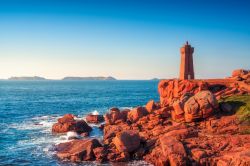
[
  {"x": 68, "y": 123},
  {"x": 171, "y": 90},
  {"x": 219, "y": 150},
  {"x": 161, "y": 141},
  {"x": 241, "y": 74},
  {"x": 192, "y": 108},
  {"x": 77, "y": 150},
  {"x": 187, "y": 127}
]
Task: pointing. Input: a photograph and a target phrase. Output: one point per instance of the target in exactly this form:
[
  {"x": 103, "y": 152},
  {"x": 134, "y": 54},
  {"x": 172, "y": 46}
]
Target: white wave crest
[{"x": 95, "y": 112}]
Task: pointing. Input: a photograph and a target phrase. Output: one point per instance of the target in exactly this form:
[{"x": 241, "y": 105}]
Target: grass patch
[{"x": 241, "y": 107}]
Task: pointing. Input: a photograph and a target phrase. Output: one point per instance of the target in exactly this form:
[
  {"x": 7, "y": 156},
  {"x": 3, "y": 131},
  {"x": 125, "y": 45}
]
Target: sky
[{"x": 129, "y": 39}]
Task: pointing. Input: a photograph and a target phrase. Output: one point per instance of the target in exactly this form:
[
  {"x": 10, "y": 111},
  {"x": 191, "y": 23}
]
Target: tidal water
[{"x": 28, "y": 110}]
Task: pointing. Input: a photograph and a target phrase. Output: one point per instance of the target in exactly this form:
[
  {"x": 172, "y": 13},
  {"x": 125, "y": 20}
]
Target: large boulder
[
  {"x": 127, "y": 141},
  {"x": 115, "y": 115},
  {"x": 178, "y": 108},
  {"x": 77, "y": 150},
  {"x": 68, "y": 123},
  {"x": 201, "y": 105},
  {"x": 173, "y": 150},
  {"x": 135, "y": 114},
  {"x": 110, "y": 131}
]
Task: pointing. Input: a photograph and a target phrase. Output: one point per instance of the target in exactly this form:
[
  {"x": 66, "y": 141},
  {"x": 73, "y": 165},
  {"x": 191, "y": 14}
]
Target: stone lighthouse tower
[{"x": 187, "y": 67}]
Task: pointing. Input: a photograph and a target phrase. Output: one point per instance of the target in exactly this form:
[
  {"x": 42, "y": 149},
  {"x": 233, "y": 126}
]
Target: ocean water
[{"x": 28, "y": 110}]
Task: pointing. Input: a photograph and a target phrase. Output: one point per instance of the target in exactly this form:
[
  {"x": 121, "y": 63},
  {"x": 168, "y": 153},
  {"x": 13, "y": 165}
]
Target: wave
[
  {"x": 40, "y": 141},
  {"x": 40, "y": 136}
]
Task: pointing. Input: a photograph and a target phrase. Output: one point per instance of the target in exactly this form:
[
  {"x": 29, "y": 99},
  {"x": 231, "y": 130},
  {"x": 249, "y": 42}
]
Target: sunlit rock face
[
  {"x": 175, "y": 89},
  {"x": 68, "y": 123},
  {"x": 189, "y": 126}
]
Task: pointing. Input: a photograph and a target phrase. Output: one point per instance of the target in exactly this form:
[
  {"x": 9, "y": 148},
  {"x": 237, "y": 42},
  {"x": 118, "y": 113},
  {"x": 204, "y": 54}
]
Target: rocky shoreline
[{"x": 193, "y": 124}]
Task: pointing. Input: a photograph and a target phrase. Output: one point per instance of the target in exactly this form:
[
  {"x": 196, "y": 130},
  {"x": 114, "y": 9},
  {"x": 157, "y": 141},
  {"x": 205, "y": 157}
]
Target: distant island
[
  {"x": 68, "y": 78},
  {"x": 156, "y": 79},
  {"x": 89, "y": 78},
  {"x": 35, "y": 78}
]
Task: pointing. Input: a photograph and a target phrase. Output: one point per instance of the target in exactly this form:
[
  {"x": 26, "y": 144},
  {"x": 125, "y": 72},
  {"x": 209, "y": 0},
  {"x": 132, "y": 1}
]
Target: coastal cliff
[{"x": 196, "y": 122}]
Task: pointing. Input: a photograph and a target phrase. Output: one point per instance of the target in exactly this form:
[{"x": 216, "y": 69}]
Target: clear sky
[{"x": 127, "y": 39}]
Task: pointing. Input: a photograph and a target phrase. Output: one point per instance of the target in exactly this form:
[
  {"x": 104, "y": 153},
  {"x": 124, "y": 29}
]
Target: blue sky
[{"x": 126, "y": 39}]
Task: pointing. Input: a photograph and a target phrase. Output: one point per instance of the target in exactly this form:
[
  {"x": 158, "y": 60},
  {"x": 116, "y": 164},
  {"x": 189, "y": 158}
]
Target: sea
[{"x": 28, "y": 109}]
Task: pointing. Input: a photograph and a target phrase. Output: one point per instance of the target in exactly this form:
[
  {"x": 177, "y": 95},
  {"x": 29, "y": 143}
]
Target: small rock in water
[{"x": 68, "y": 123}]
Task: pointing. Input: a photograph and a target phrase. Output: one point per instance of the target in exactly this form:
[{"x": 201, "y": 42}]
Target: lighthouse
[{"x": 187, "y": 67}]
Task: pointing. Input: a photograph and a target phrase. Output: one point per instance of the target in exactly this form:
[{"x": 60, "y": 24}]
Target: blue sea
[{"x": 28, "y": 110}]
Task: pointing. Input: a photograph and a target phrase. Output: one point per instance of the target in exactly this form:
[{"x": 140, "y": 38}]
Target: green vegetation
[{"x": 241, "y": 106}]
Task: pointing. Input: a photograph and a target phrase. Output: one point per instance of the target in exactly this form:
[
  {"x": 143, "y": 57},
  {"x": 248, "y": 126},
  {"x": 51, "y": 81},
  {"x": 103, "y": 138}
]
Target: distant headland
[
  {"x": 68, "y": 78},
  {"x": 34, "y": 78},
  {"x": 89, "y": 78},
  {"x": 37, "y": 78}
]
